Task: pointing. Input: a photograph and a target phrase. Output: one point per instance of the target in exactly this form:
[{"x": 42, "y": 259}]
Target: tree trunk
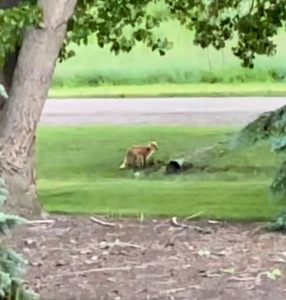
[
  {"x": 22, "y": 188},
  {"x": 21, "y": 114},
  {"x": 28, "y": 185}
]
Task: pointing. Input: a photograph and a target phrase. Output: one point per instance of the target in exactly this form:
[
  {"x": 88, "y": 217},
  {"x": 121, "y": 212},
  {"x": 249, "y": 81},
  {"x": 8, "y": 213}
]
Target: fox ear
[{"x": 154, "y": 144}]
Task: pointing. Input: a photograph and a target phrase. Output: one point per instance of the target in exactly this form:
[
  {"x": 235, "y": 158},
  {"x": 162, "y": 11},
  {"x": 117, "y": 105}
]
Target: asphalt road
[{"x": 201, "y": 111}]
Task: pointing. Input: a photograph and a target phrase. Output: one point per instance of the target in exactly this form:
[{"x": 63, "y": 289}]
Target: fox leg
[
  {"x": 123, "y": 165},
  {"x": 140, "y": 163}
]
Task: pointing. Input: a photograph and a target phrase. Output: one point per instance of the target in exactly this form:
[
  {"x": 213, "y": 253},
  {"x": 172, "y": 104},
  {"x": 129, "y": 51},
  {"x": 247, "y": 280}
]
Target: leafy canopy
[
  {"x": 12, "y": 23},
  {"x": 121, "y": 23}
]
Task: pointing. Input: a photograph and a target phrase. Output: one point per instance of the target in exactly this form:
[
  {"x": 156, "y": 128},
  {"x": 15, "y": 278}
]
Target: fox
[{"x": 137, "y": 156}]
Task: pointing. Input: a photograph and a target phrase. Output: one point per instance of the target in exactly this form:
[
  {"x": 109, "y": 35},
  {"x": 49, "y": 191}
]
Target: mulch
[{"x": 73, "y": 257}]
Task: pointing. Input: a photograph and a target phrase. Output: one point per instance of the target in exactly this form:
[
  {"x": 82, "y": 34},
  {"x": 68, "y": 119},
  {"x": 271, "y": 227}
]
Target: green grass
[
  {"x": 78, "y": 173},
  {"x": 165, "y": 90},
  {"x": 219, "y": 199},
  {"x": 184, "y": 64}
]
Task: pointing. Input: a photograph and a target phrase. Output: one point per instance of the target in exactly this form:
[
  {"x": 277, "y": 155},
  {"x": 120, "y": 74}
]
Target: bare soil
[{"x": 75, "y": 258}]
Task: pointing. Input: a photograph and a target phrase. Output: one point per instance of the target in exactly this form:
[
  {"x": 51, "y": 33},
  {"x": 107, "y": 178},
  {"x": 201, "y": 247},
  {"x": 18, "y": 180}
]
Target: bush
[
  {"x": 11, "y": 263},
  {"x": 278, "y": 224}
]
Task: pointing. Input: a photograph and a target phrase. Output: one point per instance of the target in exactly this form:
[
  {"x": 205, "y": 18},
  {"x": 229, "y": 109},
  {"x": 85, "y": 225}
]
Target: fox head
[{"x": 154, "y": 145}]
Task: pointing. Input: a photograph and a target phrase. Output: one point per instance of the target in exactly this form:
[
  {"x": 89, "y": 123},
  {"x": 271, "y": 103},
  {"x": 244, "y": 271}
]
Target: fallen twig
[
  {"x": 211, "y": 274},
  {"x": 213, "y": 222},
  {"x": 118, "y": 243},
  {"x": 278, "y": 260},
  {"x": 161, "y": 224},
  {"x": 103, "y": 223},
  {"x": 234, "y": 278},
  {"x": 258, "y": 229},
  {"x": 202, "y": 230},
  {"x": 175, "y": 223},
  {"x": 97, "y": 270},
  {"x": 199, "y": 229},
  {"x": 32, "y": 222},
  {"x": 193, "y": 216},
  {"x": 174, "y": 290}
]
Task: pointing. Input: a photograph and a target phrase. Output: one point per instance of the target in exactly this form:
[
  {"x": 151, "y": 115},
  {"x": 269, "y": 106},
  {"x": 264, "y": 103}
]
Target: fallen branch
[
  {"x": 103, "y": 223},
  {"x": 98, "y": 270}
]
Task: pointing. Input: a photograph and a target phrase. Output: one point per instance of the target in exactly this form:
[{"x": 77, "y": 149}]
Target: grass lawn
[
  {"x": 78, "y": 173},
  {"x": 161, "y": 90}
]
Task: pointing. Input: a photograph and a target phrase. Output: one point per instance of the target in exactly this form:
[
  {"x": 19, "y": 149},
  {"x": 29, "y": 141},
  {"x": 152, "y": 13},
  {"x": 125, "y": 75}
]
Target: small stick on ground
[
  {"x": 174, "y": 290},
  {"x": 118, "y": 243},
  {"x": 35, "y": 222},
  {"x": 258, "y": 229},
  {"x": 278, "y": 260},
  {"x": 213, "y": 222},
  {"x": 241, "y": 279},
  {"x": 98, "y": 270},
  {"x": 199, "y": 229},
  {"x": 103, "y": 223},
  {"x": 202, "y": 230},
  {"x": 193, "y": 216},
  {"x": 175, "y": 223}
]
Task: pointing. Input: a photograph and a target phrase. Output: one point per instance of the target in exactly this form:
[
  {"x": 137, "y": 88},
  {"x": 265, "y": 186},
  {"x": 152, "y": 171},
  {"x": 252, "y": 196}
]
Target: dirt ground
[{"x": 76, "y": 258}]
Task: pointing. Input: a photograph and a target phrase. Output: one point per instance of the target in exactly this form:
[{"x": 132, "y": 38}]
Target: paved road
[{"x": 173, "y": 111}]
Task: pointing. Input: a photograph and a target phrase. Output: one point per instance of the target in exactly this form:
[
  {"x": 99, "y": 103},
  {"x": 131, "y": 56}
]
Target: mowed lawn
[
  {"x": 169, "y": 89},
  {"x": 78, "y": 173}
]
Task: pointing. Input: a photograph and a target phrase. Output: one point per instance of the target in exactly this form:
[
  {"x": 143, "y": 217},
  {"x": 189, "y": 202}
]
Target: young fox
[{"x": 138, "y": 155}]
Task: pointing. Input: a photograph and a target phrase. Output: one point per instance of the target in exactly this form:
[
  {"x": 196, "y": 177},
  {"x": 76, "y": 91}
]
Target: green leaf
[
  {"x": 229, "y": 271},
  {"x": 274, "y": 274},
  {"x": 205, "y": 253},
  {"x": 2, "y": 199}
]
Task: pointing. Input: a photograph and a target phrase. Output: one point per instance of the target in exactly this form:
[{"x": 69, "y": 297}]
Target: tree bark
[
  {"x": 21, "y": 114},
  {"x": 6, "y": 79},
  {"x": 22, "y": 188},
  {"x": 28, "y": 181}
]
